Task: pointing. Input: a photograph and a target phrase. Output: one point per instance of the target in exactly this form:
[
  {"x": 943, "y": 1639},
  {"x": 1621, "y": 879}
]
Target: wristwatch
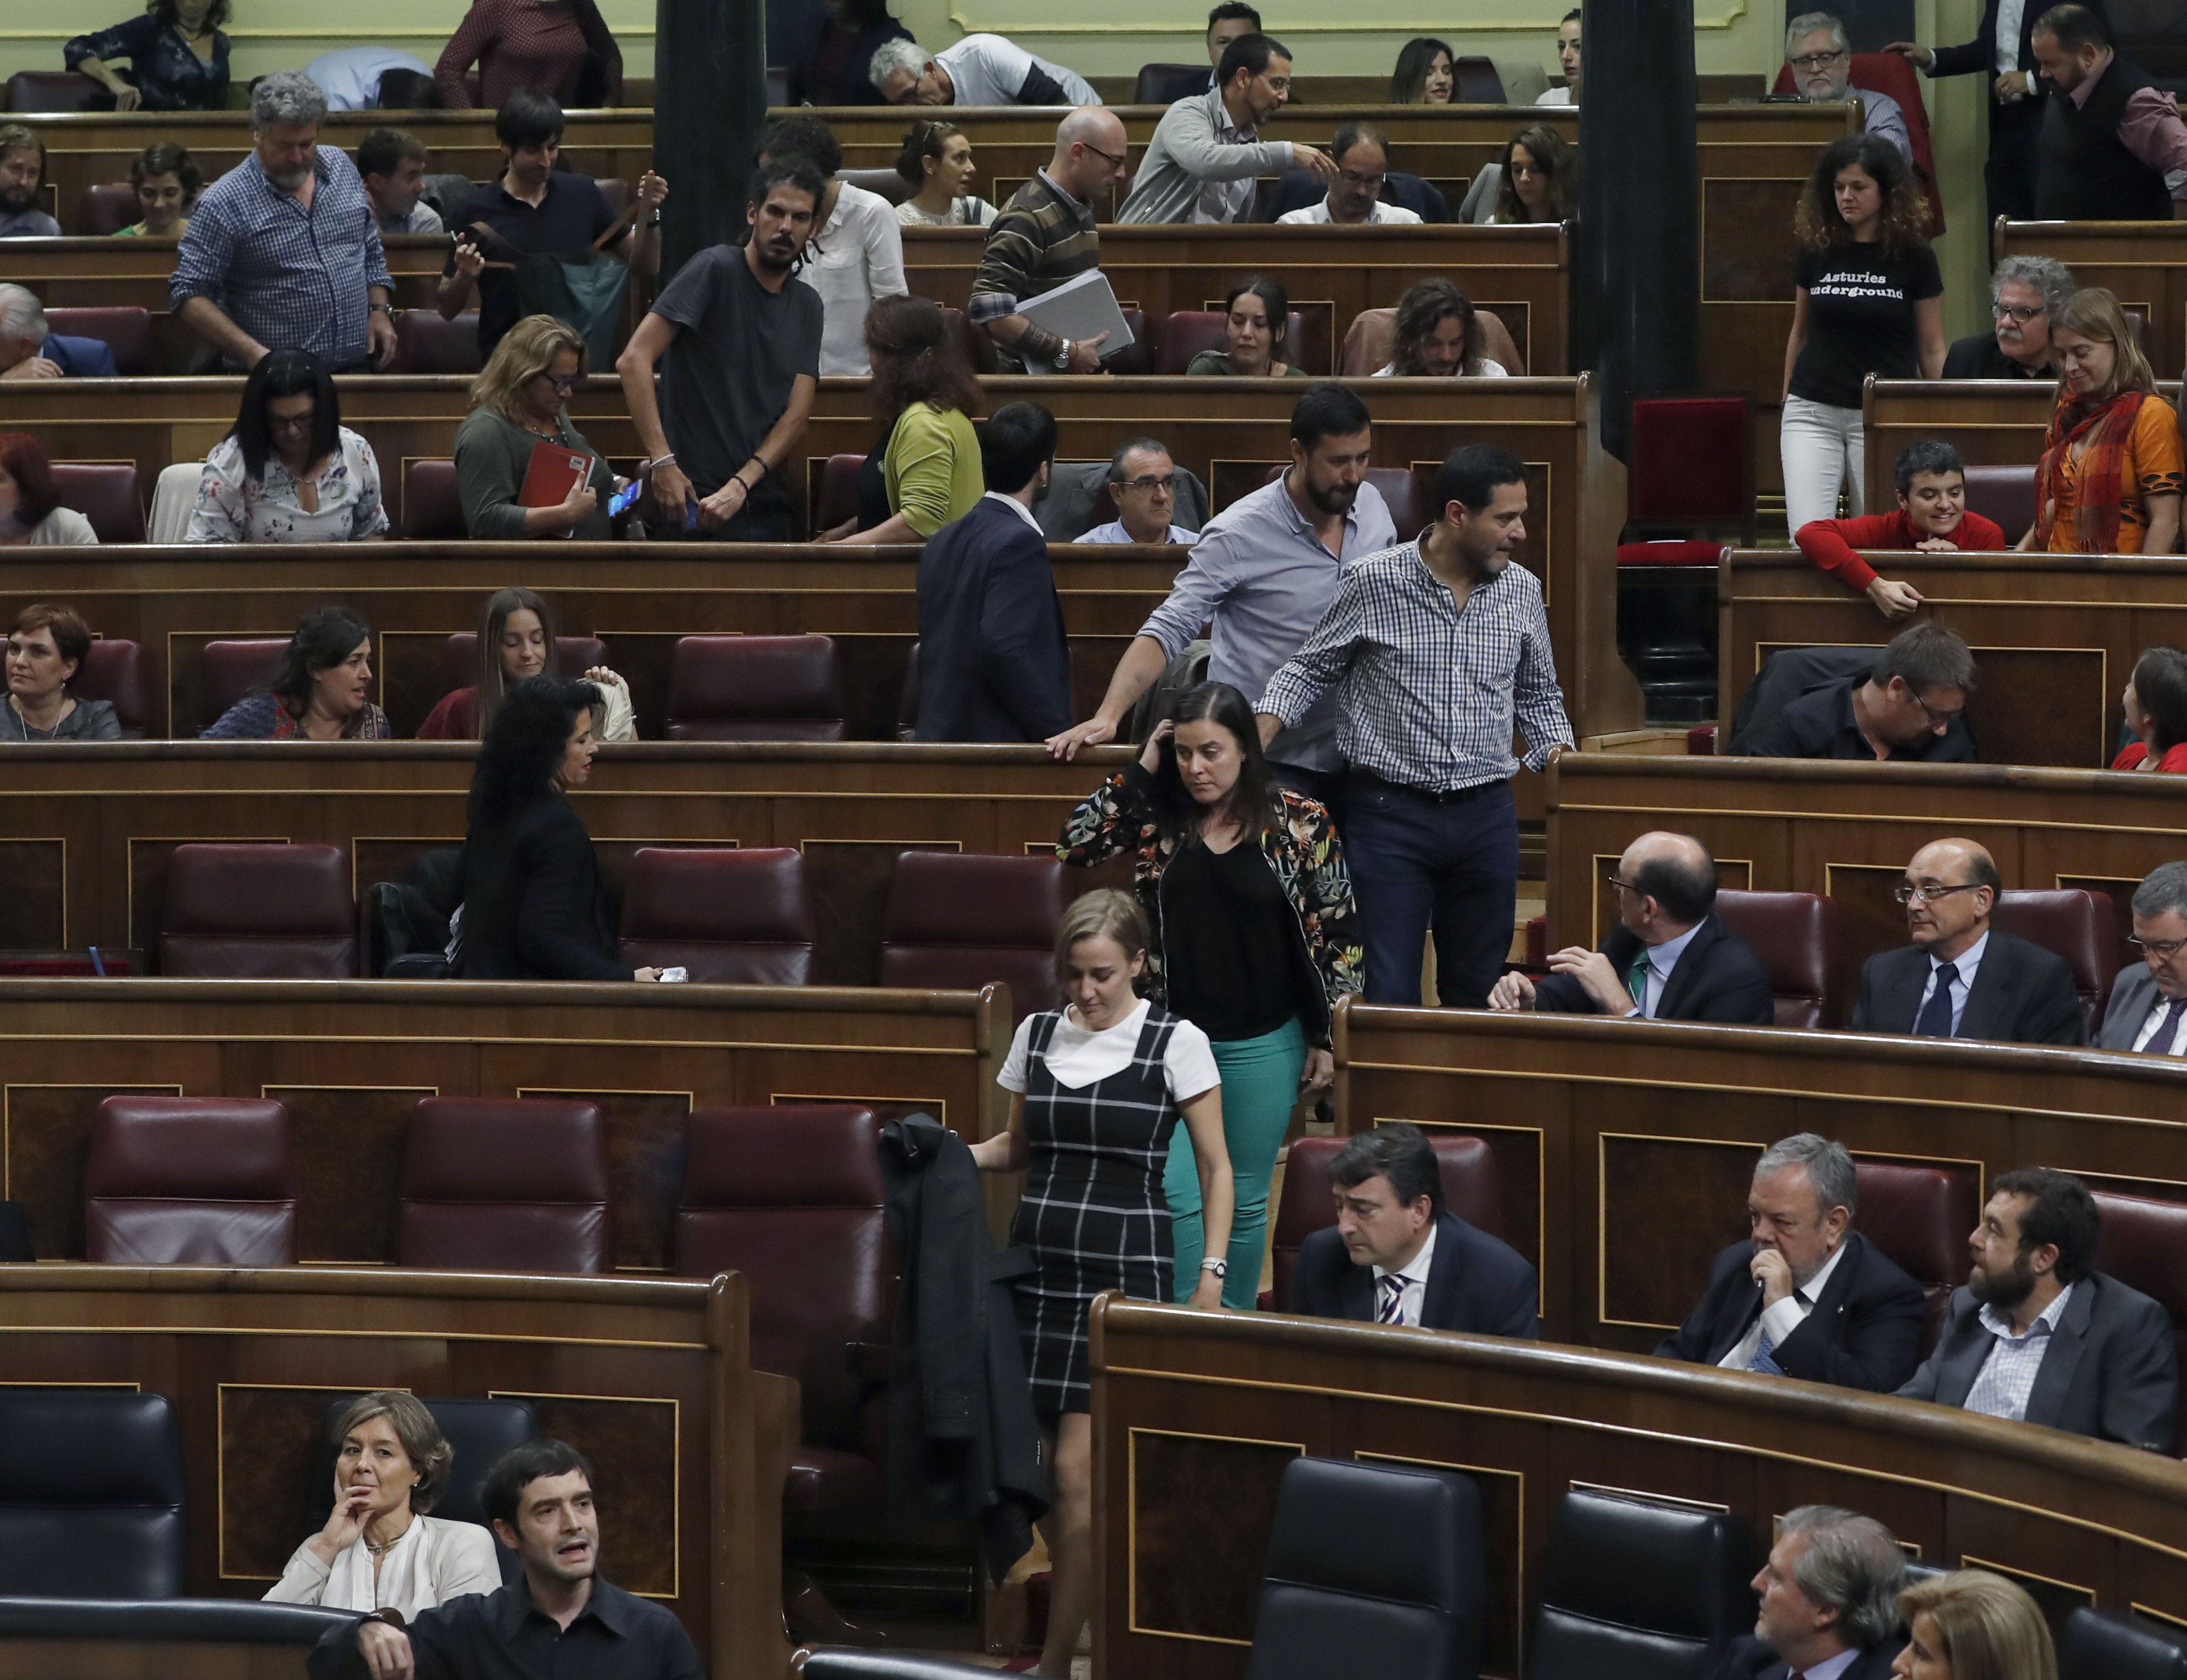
[
  {"x": 1219, "y": 1267},
  {"x": 1063, "y": 358}
]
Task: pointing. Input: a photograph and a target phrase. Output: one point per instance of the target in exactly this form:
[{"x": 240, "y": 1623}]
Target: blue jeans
[{"x": 1419, "y": 865}]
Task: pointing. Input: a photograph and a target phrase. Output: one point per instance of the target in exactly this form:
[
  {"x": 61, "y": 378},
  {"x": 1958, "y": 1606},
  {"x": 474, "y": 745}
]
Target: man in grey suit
[
  {"x": 2149, "y": 999},
  {"x": 2040, "y": 1336}
]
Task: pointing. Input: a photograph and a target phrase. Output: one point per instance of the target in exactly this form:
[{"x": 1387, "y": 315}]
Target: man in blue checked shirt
[
  {"x": 1433, "y": 647},
  {"x": 283, "y": 251}
]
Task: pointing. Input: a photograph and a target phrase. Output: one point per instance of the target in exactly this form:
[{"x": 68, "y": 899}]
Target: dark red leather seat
[
  {"x": 190, "y": 1180},
  {"x": 2005, "y": 495},
  {"x": 791, "y": 1196},
  {"x": 957, "y": 922},
  {"x": 2080, "y": 926},
  {"x": 125, "y": 329},
  {"x": 1135, "y": 357},
  {"x": 56, "y": 90},
  {"x": 755, "y": 688},
  {"x": 432, "y": 507},
  {"x": 108, "y": 493},
  {"x": 503, "y": 1184},
  {"x": 839, "y": 491},
  {"x": 2143, "y": 1243},
  {"x": 230, "y": 668},
  {"x": 1920, "y": 1217},
  {"x": 1182, "y": 334},
  {"x": 574, "y": 655},
  {"x": 1796, "y": 936},
  {"x": 1691, "y": 474},
  {"x": 427, "y": 342},
  {"x": 114, "y": 671},
  {"x": 730, "y": 916},
  {"x": 1306, "y": 1205},
  {"x": 258, "y": 911},
  {"x": 105, "y": 210}
]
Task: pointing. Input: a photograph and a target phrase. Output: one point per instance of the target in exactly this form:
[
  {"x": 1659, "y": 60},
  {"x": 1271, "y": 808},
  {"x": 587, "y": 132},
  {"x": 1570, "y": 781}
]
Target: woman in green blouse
[
  {"x": 924, "y": 392},
  {"x": 1257, "y": 318}
]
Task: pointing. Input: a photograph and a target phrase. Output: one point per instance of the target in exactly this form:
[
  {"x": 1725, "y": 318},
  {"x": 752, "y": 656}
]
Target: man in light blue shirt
[
  {"x": 1142, "y": 479},
  {"x": 350, "y": 75},
  {"x": 1821, "y": 58},
  {"x": 1262, "y": 573}
]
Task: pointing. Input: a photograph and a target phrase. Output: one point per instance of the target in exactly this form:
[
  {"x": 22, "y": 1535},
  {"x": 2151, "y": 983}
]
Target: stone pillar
[{"x": 709, "y": 104}]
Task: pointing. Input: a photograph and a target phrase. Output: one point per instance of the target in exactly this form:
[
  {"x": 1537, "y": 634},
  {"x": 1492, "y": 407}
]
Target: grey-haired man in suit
[{"x": 2149, "y": 999}]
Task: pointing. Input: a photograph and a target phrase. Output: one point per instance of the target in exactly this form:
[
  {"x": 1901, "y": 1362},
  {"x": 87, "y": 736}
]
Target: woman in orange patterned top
[{"x": 2110, "y": 480}]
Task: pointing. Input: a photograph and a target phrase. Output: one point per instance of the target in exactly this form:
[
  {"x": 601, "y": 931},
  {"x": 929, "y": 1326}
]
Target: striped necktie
[{"x": 1393, "y": 1299}]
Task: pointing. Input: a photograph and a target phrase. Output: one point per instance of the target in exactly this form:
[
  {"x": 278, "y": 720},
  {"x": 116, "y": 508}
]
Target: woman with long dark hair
[
  {"x": 517, "y": 644},
  {"x": 532, "y": 904},
  {"x": 1425, "y": 73},
  {"x": 177, "y": 55},
  {"x": 2156, "y": 705},
  {"x": 289, "y": 471},
  {"x": 1254, "y": 936},
  {"x": 1537, "y": 181},
  {"x": 1256, "y": 319},
  {"x": 31, "y": 510},
  {"x": 924, "y": 394},
  {"x": 2110, "y": 476},
  {"x": 322, "y": 690},
  {"x": 936, "y": 164}
]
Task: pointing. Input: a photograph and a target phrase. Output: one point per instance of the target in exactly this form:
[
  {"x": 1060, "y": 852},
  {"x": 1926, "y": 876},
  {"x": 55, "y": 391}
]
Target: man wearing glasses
[
  {"x": 1143, "y": 479},
  {"x": 1960, "y": 978},
  {"x": 2149, "y": 999},
  {"x": 1354, "y": 199},
  {"x": 1207, "y": 153},
  {"x": 2024, "y": 292},
  {"x": 1821, "y": 58},
  {"x": 1908, "y": 707},
  {"x": 1046, "y": 234}
]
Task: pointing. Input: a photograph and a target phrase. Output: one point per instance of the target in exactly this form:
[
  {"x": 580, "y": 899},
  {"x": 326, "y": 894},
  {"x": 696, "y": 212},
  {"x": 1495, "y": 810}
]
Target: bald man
[
  {"x": 1670, "y": 957},
  {"x": 1960, "y": 978}
]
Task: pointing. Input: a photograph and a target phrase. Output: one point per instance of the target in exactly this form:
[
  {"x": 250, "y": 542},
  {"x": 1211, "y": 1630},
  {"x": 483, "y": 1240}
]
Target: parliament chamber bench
[
  {"x": 2144, "y": 264},
  {"x": 1991, "y": 422}
]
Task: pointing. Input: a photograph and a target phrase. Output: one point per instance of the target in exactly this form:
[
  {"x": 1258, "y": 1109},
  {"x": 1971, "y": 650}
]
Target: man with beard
[
  {"x": 2040, "y": 1336},
  {"x": 22, "y": 177},
  {"x": 1821, "y": 58},
  {"x": 1807, "y": 1295},
  {"x": 1435, "y": 651},
  {"x": 1262, "y": 573},
  {"x": 739, "y": 341},
  {"x": 282, "y": 252},
  {"x": 1207, "y": 153},
  {"x": 560, "y": 1618},
  {"x": 2024, "y": 292}
]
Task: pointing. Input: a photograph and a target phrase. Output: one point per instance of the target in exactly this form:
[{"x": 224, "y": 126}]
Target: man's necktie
[
  {"x": 1763, "y": 1349},
  {"x": 1636, "y": 981},
  {"x": 2167, "y": 1030},
  {"x": 1936, "y": 1021},
  {"x": 1393, "y": 1300}
]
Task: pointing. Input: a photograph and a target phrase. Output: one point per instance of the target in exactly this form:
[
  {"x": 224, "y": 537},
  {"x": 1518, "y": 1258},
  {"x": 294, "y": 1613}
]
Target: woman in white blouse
[
  {"x": 289, "y": 471},
  {"x": 379, "y": 1550},
  {"x": 936, "y": 164},
  {"x": 856, "y": 256}
]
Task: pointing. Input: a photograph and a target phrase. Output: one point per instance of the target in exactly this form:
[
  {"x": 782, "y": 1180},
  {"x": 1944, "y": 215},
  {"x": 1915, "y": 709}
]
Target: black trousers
[{"x": 2008, "y": 174}]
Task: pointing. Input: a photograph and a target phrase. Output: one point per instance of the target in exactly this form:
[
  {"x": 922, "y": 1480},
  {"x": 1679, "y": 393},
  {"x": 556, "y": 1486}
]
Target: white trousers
[{"x": 1821, "y": 449}]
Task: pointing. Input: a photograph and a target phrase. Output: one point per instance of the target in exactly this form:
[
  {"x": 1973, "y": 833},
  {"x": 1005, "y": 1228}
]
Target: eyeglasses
[
  {"x": 1107, "y": 157},
  {"x": 1365, "y": 183},
  {"x": 1938, "y": 719},
  {"x": 1906, "y": 892},
  {"x": 2019, "y": 312},
  {"x": 290, "y": 422},
  {"x": 1621, "y": 885},
  {"x": 2164, "y": 950},
  {"x": 564, "y": 383},
  {"x": 1278, "y": 84},
  {"x": 1168, "y": 481},
  {"x": 1815, "y": 61}
]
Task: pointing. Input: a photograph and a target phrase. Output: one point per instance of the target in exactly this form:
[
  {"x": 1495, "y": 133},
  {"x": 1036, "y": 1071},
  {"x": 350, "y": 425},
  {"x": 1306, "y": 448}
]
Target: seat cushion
[
  {"x": 731, "y": 916},
  {"x": 114, "y": 671},
  {"x": 1669, "y": 552},
  {"x": 125, "y": 329},
  {"x": 1796, "y": 936},
  {"x": 108, "y": 493},
  {"x": 825, "y": 1477},
  {"x": 432, "y": 508},
  {"x": 90, "y": 1495},
  {"x": 504, "y": 1184},
  {"x": 755, "y": 688},
  {"x": 2080, "y": 926},
  {"x": 195, "y": 1180},
  {"x": 2118, "y": 1645},
  {"x": 258, "y": 911},
  {"x": 958, "y": 921}
]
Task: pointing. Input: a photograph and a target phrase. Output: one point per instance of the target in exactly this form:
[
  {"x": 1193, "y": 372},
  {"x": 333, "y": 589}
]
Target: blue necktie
[
  {"x": 1762, "y": 1361},
  {"x": 2167, "y": 1030},
  {"x": 1936, "y": 1021}
]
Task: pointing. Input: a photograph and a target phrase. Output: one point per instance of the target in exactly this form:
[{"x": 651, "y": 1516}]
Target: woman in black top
[
  {"x": 177, "y": 55},
  {"x": 532, "y": 907},
  {"x": 1868, "y": 300}
]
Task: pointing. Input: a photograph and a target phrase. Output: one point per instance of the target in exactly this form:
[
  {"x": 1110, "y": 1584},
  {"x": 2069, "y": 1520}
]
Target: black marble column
[
  {"x": 1636, "y": 267},
  {"x": 709, "y": 104}
]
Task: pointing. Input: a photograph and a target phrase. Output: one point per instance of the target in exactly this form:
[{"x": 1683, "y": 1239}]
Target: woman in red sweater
[
  {"x": 2156, "y": 701},
  {"x": 1931, "y": 515}
]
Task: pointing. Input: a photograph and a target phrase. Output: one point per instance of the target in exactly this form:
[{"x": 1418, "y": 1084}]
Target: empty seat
[
  {"x": 124, "y": 328},
  {"x": 108, "y": 493},
  {"x": 574, "y": 655},
  {"x": 230, "y": 668},
  {"x": 2005, "y": 495},
  {"x": 2078, "y": 925},
  {"x": 1474, "y": 81},
  {"x": 190, "y": 1180},
  {"x": 1469, "y": 1191},
  {"x": 1796, "y": 936},
  {"x": 258, "y": 911},
  {"x": 886, "y": 183},
  {"x": 2143, "y": 1243},
  {"x": 755, "y": 688},
  {"x": 1166, "y": 84},
  {"x": 1693, "y": 475},
  {"x": 792, "y": 1197},
  {"x": 1919, "y": 1217},
  {"x": 1639, "y": 1590},
  {"x": 104, "y": 210},
  {"x": 1372, "y": 1570},
  {"x": 503, "y": 1184},
  {"x": 56, "y": 90},
  {"x": 732, "y": 917},
  {"x": 857, "y": 1662},
  {"x": 114, "y": 671},
  {"x": 956, "y": 922},
  {"x": 427, "y": 342},
  {"x": 838, "y": 499},
  {"x": 90, "y": 1495},
  {"x": 432, "y": 507},
  {"x": 2119, "y": 1645}
]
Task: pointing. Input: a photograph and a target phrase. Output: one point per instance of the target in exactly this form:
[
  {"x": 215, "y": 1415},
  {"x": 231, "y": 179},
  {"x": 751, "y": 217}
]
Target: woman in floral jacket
[{"x": 1254, "y": 942}]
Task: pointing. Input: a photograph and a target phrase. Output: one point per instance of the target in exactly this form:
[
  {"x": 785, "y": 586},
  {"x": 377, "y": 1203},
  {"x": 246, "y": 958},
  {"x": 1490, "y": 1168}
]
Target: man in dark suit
[
  {"x": 2002, "y": 51},
  {"x": 2040, "y": 1336},
  {"x": 1397, "y": 1255},
  {"x": 993, "y": 664},
  {"x": 1806, "y": 1296},
  {"x": 29, "y": 352},
  {"x": 1830, "y": 1602},
  {"x": 2149, "y": 999},
  {"x": 1960, "y": 979},
  {"x": 1670, "y": 957},
  {"x": 2024, "y": 293}
]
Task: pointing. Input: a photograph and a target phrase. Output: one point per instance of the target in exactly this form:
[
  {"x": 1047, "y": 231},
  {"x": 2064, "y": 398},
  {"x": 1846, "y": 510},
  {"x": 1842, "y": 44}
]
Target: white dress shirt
[
  {"x": 1379, "y": 214},
  {"x": 1781, "y": 1320},
  {"x": 2007, "y": 1377},
  {"x": 1662, "y": 959},
  {"x": 433, "y": 1561},
  {"x": 1017, "y": 508},
  {"x": 1114, "y": 532},
  {"x": 1830, "y": 1667},
  {"x": 2156, "y": 1020},
  {"x": 857, "y": 257},
  {"x": 1967, "y": 963},
  {"x": 2007, "y": 44},
  {"x": 1415, "y": 1272}
]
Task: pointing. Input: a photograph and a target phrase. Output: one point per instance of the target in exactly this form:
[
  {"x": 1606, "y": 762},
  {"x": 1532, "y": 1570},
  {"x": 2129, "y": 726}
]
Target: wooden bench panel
[
  {"x": 2143, "y": 263},
  {"x": 1991, "y": 422}
]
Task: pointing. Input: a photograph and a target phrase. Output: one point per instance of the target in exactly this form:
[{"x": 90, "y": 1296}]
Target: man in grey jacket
[
  {"x": 2150, "y": 999},
  {"x": 1206, "y": 151}
]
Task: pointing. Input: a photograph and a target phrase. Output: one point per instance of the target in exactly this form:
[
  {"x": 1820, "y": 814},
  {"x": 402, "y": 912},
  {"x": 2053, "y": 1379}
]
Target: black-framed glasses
[
  {"x": 292, "y": 422},
  {"x": 1811, "y": 62},
  {"x": 1937, "y": 717},
  {"x": 1164, "y": 481},
  {"x": 564, "y": 383},
  {"x": 2020, "y": 312},
  {"x": 1622, "y": 884},
  {"x": 1906, "y": 891},
  {"x": 2164, "y": 950},
  {"x": 1107, "y": 157}
]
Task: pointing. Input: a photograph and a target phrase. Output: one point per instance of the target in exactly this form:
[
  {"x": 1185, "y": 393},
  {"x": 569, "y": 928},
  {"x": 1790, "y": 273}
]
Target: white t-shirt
[
  {"x": 1316, "y": 215},
  {"x": 1078, "y": 1057},
  {"x": 987, "y": 70},
  {"x": 857, "y": 257},
  {"x": 1556, "y": 96},
  {"x": 1489, "y": 370}
]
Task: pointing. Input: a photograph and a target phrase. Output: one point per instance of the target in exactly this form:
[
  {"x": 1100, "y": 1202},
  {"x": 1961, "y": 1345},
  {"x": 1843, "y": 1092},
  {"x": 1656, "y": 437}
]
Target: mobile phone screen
[{"x": 623, "y": 501}]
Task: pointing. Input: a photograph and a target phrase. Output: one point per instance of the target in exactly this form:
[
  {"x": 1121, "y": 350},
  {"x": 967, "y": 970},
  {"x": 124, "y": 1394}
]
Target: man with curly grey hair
[
  {"x": 282, "y": 252},
  {"x": 2025, "y": 292},
  {"x": 1830, "y": 1602}
]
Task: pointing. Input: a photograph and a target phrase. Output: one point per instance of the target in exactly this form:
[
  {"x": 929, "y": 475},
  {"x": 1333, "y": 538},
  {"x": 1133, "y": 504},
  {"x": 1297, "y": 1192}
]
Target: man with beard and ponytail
[
  {"x": 2040, "y": 1336},
  {"x": 1262, "y": 573},
  {"x": 737, "y": 341}
]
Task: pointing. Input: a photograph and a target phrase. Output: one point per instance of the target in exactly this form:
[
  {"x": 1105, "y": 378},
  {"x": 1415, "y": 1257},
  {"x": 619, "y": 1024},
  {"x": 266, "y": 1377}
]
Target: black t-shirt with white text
[{"x": 1860, "y": 318}]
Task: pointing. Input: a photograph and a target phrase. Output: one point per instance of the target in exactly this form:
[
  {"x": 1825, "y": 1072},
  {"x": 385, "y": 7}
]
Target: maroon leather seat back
[
  {"x": 228, "y": 670},
  {"x": 2143, "y": 1243},
  {"x": 114, "y": 671},
  {"x": 55, "y": 90},
  {"x": 839, "y": 490},
  {"x": 2004, "y": 494},
  {"x": 104, "y": 210},
  {"x": 432, "y": 507},
  {"x": 125, "y": 329},
  {"x": 755, "y": 688},
  {"x": 1921, "y": 1218},
  {"x": 107, "y": 493},
  {"x": 258, "y": 911},
  {"x": 574, "y": 655},
  {"x": 1136, "y": 356},
  {"x": 503, "y": 1184},
  {"x": 1796, "y": 936},
  {"x": 1183, "y": 333},
  {"x": 730, "y": 916},
  {"x": 1689, "y": 461},
  {"x": 957, "y": 922},
  {"x": 2080, "y": 926},
  {"x": 887, "y": 183},
  {"x": 1306, "y": 1205},
  {"x": 190, "y": 1180},
  {"x": 791, "y": 1196},
  {"x": 427, "y": 342}
]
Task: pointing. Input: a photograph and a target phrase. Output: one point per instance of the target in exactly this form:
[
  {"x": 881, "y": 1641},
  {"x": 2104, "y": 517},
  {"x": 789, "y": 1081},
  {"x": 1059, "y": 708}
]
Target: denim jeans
[
  {"x": 1422, "y": 865},
  {"x": 1820, "y": 448}
]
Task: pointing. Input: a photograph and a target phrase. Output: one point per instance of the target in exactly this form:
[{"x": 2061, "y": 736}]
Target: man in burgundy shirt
[{"x": 1931, "y": 515}]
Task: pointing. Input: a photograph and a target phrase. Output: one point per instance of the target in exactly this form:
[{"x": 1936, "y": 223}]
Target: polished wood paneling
[
  {"x": 2143, "y": 263},
  {"x": 1991, "y": 422}
]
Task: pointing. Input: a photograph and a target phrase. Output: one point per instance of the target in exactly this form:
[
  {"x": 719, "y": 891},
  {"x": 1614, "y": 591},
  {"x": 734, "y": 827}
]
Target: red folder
[{"x": 554, "y": 473}]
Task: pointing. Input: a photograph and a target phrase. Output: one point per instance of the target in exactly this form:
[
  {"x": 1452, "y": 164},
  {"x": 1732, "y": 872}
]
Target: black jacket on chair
[
  {"x": 1718, "y": 979},
  {"x": 533, "y": 908},
  {"x": 1864, "y": 1332},
  {"x": 2022, "y": 994},
  {"x": 993, "y": 661},
  {"x": 1749, "y": 1659},
  {"x": 1476, "y": 1283}
]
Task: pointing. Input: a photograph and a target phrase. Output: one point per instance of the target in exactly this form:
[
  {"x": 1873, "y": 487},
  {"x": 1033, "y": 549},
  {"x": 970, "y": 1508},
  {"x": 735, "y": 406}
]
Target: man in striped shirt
[
  {"x": 1045, "y": 235},
  {"x": 1436, "y": 647}
]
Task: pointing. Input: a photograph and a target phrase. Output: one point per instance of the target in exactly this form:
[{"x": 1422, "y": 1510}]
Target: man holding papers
[
  {"x": 1206, "y": 151},
  {"x": 1044, "y": 236}
]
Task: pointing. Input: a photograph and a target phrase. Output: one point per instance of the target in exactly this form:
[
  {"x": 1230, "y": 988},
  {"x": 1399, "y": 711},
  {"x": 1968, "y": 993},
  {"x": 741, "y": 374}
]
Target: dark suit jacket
[
  {"x": 1978, "y": 356},
  {"x": 80, "y": 358},
  {"x": 1979, "y": 55},
  {"x": 2022, "y": 994},
  {"x": 1476, "y": 1283},
  {"x": 2111, "y": 1370},
  {"x": 532, "y": 904},
  {"x": 1747, "y": 1658},
  {"x": 1864, "y": 1332},
  {"x": 2134, "y": 994},
  {"x": 993, "y": 663},
  {"x": 1718, "y": 978}
]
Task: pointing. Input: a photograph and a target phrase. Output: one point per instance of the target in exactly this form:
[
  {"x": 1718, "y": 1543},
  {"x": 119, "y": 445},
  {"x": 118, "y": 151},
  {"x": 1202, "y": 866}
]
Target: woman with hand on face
[
  {"x": 1244, "y": 885},
  {"x": 2156, "y": 705},
  {"x": 1097, "y": 1089},
  {"x": 516, "y": 405},
  {"x": 177, "y": 56},
  {"x": 322, "y": 691},
  {"x": 379, "y": 1550},
  {"x": 1972, "y": 1625},
  {"x": 936, "y": 160},
  {"x": 166, "y": 179},
  {"x": 31, "y": 510},
  {"x": 515, "y": 645},
  {"x": 1424, "y": 74},
  {"x": 2110, "y": 476},
  {"x": 47, "y": 647},
  {"x": 1257, "y": 321},
  {"x": 290, "y": 471}
]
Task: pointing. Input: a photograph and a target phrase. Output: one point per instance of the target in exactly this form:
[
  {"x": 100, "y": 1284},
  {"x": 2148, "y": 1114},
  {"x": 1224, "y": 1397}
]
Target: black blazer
[
  {"x": 993, "y": 662},
  {"x": 1476, "y": 1283},
  {"x": 1718, "y": 978},
  {"x": 532, "y": 904},
  {"x": 1865, "y": 1331},
  {"x": 1978, "y": 356},
  {"x": 2022, "y": 994},
  {"x": 1746, "y": 1658},
  {"x": 2111, "y": 1370},
  {"x": 1980, "y": 54}
]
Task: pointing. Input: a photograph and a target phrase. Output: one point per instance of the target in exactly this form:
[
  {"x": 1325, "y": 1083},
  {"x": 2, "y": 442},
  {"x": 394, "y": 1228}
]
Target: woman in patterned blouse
[
  {"x": 289, "y": 471},
  {"x": 320, "y": 691},
  {"x": 177, "y": 56}
]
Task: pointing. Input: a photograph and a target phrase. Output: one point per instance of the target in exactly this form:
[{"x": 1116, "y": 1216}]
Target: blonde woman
[
  {"x": 2110, "y": 480},
  {"x": 1972, "y": 1625},
  {"x": 516, "y": 405}
]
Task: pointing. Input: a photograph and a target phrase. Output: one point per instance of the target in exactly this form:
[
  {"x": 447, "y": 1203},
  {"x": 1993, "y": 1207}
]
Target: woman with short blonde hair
[
  {"x": 1972, "y": 1625},
  {"x": 2110, "y": 476},
  {"x": 516, "y": 406}
]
